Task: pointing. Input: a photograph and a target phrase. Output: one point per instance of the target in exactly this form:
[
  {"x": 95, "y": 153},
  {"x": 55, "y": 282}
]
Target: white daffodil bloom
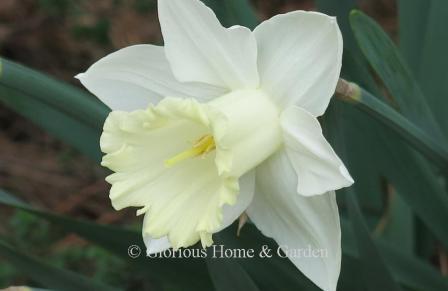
[{"x": 222, "y": 121}]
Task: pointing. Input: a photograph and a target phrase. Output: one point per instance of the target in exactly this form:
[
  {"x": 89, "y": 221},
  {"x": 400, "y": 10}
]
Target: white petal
[
  {"x": 318, "y": 168},
  {"x": 133, "y": 77},
  {"x": 232, "y": 212},
  {"x": 252, "y": 132},
  {"x": 298, "y": 223},
  {"x": 155, "y": 245},
  {"x": 300, "y": 58},
  {"x": 199, "y": 49},
  {"x": 183, "y": 201}
]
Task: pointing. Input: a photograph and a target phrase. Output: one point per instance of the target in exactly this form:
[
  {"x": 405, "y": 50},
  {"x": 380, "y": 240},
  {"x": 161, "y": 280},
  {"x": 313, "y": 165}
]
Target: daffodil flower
[{"x": 222, "y": 121}]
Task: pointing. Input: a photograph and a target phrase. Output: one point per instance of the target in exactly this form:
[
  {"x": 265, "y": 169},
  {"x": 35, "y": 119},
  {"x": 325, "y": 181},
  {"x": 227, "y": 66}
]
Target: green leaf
[
  {"x": 268, "y": 274},
  {"x": 48, "y": 275},
  {"x": 234, "y": 12},
  {"x": 390, "y": 160},
  {"x": 410, "y": 172},
  {"x": 408, "y": 131},
  {"x": 341, "y": 10},
  {"x": 405, "y": 269},
  {"x": 280, "y": 274},
  {"x": 229, "y": 275},
  {"x": 397, "y": 225},
  {"x": 64, "y": 111},
  {"x": 387, "y": 157},
  {"x": 190, "y": 273},
  {"x": 433, "y": 67},
  {"x": 431, "y": 208},
  {"x": 346, "y": 129},
  {"x": 81, "y": 137},
  {"x": 387, "y": 62},
  {"x": 354, "y": 64},
  {"x": 26, "y": 288},
  {"x": 413, "y": 19},
  {"x": 373, "y": 268},
  {"x": 66, "y": 98},
  {"x": 275, "y": 273},
  {"x": 410, "y": 271}
]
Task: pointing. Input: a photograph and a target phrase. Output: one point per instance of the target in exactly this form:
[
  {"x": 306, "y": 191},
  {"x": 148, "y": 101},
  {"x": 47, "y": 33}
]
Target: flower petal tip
[
  {"x": 344, "y": 172},
  {"x": 80, "y": 76}
]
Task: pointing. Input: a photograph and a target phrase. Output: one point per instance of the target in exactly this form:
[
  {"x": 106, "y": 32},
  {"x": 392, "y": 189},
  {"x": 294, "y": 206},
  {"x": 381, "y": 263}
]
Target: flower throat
[{"x": 202, "y": 146}]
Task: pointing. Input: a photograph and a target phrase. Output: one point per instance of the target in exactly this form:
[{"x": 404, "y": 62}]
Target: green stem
[{"x": 408, "y": 131}]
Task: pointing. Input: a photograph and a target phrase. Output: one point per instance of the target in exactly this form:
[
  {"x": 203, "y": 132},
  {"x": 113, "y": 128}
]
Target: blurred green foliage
[
  {"x": 144, "y": 6},
  {"x": 58, "y": 7},
  {"x": 98, "y": 33},
  {"x": 37, "y": 237},
  {"x": 393, "y": 218}
]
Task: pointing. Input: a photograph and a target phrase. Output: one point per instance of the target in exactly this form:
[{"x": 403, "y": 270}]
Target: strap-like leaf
[
  {"x": 192, "y": 273},
  {"x": 227, "y": 274},
  {"x": 373, "y": 268},
  {"x": 48, "y": 275},
  {"x": 387, "y": 62},
  {"x": 63, "y": 110},
  {"x": 433, "y": 67},
  {"x": 413, "y": 20},
  {"x": 434, "y": 150},
  {"x": 234, "y": 12},
  {"x": 433, "y": 208},
  {"x": 268, "y": 274}
]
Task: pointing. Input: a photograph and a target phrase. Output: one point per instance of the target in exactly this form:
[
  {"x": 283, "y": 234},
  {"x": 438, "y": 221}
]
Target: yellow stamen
[{"x": 204, "y": 145}]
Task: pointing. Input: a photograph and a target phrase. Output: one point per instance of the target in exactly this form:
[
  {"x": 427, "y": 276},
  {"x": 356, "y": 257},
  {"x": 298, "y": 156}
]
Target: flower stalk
[
  {"x": 432, "y": 149},
  {"x": 348, "y": 91}
]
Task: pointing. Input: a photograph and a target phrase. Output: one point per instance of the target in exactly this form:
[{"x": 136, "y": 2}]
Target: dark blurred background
[{"x": 63, "y": 38}]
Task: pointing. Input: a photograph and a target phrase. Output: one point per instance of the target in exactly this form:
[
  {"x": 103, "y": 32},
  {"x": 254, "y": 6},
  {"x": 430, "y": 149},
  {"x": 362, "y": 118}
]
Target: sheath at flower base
[{"x": 222, "y": 121}]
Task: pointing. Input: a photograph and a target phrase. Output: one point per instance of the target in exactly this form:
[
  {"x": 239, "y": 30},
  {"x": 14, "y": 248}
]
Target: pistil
[{"x": 203, "y": 146}]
